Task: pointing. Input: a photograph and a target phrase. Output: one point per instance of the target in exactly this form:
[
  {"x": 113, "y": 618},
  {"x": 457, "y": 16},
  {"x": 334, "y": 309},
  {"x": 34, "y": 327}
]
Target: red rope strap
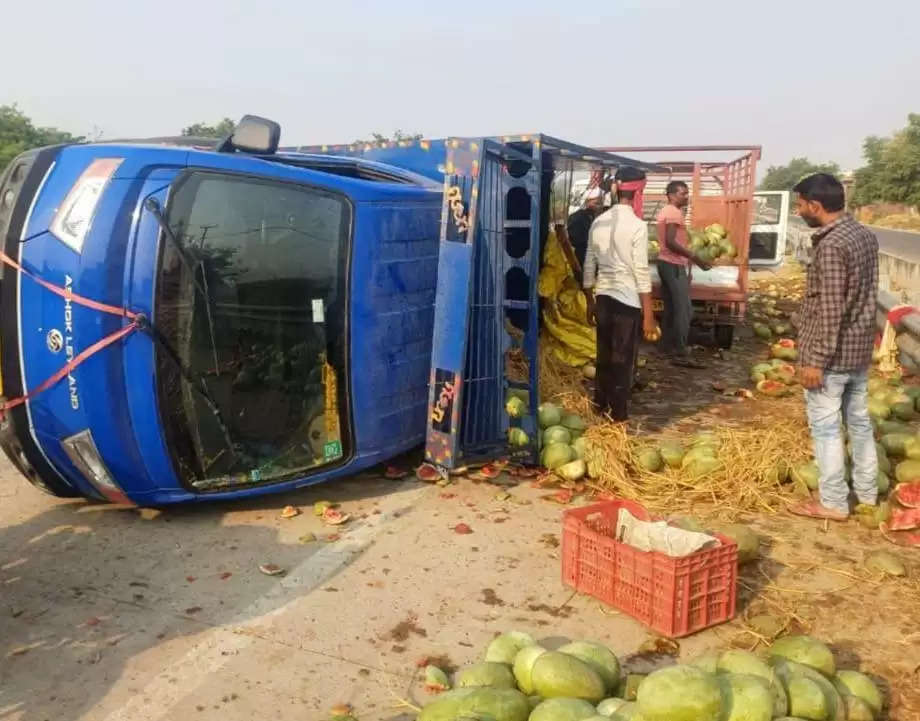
[{"x": 83, "y": 355}]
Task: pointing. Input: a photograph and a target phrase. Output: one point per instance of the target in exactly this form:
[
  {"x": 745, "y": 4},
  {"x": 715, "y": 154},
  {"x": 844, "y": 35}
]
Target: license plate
[{"x": 658, "y": 306}]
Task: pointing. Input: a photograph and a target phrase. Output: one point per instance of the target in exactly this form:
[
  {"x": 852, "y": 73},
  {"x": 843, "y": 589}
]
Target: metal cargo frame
[
  {"x": 483, "y": 233},
  {"x": 721, "y": 191}
]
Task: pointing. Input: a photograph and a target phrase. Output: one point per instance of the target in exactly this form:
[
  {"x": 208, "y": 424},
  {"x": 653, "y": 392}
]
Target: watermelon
[
  {"x": 649, "y": 459},
  {"x": 573, "y": 471},
  {"x": 748, "y": 544},
  {"x": 853, "y": 683},
  {"x": 557, "y": 434},
  {"x": 428, "y": 473},
  {"x": 518, "y": 437},
  {"x": 808, "y": 475},
  {"x": 905, "y": 519},
  {"x": 783, "y": 352},
  {"x": 515, "y": 407},
  {"x": 575, "y": 424},
  {"x": 807, "y": 651},
  {"x": 908, "y": 494},
  {"x": 895, "y": 444},
  {"x": 598, "y": 657},
  {"x": 487, "y": 673},
  {"x": 746, "y": 698},
  {"x": 907, "y": 471},
  {"x": 556, "y": 454},
  {"x": 904, "y": 410},
  {"x": 504, "y": 648},
  {"x": 556, "y": 674},
  {"x": 879, "y": 409},
  {"x": 680, "y": 693},
  {"x": 774, "y": 389},
  {"x": 563, "y": 709},
  {"x": 717, "y": 229},
  {"x": 886, "y": 427},
  {"x": 499, "y": 704},
  {"x": 549, "y": 415},
  {"x": 672, "y": 452},
  {"x": 523, "y": 666},
  {"x": 806, "y": 699}
]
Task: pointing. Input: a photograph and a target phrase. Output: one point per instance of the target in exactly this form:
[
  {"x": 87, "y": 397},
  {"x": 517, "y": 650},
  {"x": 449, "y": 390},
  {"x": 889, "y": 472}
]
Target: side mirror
[{"x": 259, "y": 136}]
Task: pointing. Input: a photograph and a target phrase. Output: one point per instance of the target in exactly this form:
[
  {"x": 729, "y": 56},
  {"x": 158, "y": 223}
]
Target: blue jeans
[{"x": 843, "y": 395}]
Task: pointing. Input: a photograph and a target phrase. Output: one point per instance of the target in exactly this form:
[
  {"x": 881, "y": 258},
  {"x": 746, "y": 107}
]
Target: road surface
[
  {"x": 901, "y": 243},
  {"x": 118, "y": 614}
]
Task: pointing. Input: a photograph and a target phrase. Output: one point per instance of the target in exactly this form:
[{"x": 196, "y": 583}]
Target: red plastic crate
[{"x": 673, "y": 596}]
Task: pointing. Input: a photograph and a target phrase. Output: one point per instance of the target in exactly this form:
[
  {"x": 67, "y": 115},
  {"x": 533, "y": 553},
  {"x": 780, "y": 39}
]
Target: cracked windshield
[{"x": 251, "y": 317}]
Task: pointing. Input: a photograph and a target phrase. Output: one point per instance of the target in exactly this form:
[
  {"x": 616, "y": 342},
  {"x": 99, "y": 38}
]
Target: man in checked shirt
[{"x": 836, "y": 338}]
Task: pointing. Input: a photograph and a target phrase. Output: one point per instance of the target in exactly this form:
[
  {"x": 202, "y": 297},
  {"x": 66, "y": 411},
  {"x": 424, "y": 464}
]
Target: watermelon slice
[
  {"x": 786, "y": 343},
  {"x": 908, "y": 540},
  {"x": 490, "y": 471},
  {"x": 333, "y": 517},
  {"x": 906, "y": 519},
  {"x": 772, "y": 388},
  {"x": 428, "y": 473},
  {"x": 394, "y": 473},
  {"x": 908, "y": 494}
]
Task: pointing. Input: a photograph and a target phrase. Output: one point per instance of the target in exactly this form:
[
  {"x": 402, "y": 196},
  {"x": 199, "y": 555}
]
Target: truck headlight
[
  {"x": 82, "y": 451},
  {"x": 72, "y": 220}
]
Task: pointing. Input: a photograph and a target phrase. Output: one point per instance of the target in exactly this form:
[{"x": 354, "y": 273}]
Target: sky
[{"x": 800, "y": 79}]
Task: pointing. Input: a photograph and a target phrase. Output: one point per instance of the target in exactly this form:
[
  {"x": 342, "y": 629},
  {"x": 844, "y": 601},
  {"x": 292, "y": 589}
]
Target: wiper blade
[
  {"x": 196, "y": 381},
  {"x": 155, "y": 209}
]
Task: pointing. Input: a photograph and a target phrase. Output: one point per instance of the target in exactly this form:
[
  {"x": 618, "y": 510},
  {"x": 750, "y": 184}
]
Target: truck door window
[
  {"x": 767, "y": 209},
  {"x": 258, "y": 315}
]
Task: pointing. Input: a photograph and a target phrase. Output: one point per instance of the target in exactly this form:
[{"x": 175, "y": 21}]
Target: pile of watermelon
[
  {"x": 521, "y": 680},
  {"x": 774, "y": 377},
  {"x": 712, "y": 243}
]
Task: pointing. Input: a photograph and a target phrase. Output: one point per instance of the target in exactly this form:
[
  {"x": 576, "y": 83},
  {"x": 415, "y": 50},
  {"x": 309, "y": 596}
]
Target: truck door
[
  {"x": 768, "y": 230},
  {"x": 486, "y": 301}
]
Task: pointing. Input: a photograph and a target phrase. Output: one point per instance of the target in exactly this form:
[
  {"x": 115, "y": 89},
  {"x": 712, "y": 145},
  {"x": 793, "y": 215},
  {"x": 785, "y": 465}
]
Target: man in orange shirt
[{"x": 674, "y": 261}]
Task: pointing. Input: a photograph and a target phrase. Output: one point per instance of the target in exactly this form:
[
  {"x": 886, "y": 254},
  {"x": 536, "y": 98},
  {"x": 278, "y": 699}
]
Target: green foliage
[
  {"x": 784, "y": 177},
  {"x": 892, "y": 170},
  {"x": 398, "y": 136},
  {"x": 200, "y": 130},
  {"x": 18, "y": 134}
]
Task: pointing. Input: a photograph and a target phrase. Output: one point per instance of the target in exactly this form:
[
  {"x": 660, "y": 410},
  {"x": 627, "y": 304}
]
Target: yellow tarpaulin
[{"x": 565, "y": 312}]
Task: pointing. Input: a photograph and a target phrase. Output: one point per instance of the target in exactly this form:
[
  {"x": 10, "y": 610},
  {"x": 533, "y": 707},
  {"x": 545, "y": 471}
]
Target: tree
[
  {"x": 784, "y": 177},
  {"x": 892, "y": 170},
  {"x": 398, "y": 137},
  {"x": 18, "y": 134},
  {"x": 199, "y": 130}
]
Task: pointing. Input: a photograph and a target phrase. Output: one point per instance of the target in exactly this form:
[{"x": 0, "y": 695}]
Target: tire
[{"x": 725, "y": 335}]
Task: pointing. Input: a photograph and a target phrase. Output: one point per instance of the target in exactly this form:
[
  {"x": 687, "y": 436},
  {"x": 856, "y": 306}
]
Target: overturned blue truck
[{"x": 183, "y": 321}]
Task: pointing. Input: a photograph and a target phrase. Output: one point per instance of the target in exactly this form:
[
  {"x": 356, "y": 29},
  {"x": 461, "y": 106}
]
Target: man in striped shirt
[
  {"x": 836, "y": 338},
  {"x": 619, "y": 292}
]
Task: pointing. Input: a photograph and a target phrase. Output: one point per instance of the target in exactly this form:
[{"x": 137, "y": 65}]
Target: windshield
[{"x": 251, "y": 312}]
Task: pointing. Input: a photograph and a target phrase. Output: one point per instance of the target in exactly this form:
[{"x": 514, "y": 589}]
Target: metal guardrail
[{"x": 908, "y": 330}]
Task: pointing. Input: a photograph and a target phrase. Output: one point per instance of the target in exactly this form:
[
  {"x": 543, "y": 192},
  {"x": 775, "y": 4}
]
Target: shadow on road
[{"x": 94, "y": 595}]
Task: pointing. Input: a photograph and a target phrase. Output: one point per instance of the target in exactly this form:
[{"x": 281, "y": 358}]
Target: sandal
[{"x": 814, "y": 509}]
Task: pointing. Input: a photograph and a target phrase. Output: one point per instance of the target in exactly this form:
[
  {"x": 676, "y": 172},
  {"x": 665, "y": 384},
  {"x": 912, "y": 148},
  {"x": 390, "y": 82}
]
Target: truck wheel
[{"x": 725, "y": 334}]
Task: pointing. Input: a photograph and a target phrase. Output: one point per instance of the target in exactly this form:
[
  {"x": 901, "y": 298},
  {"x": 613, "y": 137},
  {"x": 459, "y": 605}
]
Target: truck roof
[{"x": 345, "y": 165}]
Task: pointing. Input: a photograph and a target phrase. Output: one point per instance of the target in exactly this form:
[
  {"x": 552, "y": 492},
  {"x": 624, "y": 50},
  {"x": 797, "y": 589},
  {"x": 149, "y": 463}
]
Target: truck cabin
[{"x": 271, "y": 315}]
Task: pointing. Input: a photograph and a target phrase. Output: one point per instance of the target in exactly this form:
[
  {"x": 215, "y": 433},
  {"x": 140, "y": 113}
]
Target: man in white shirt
[{"x": 619, "y": 292}]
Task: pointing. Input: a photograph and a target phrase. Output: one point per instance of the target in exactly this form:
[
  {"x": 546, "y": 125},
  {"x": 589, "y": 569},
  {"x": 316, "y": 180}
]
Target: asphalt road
[{"x": 901, "y": 243}]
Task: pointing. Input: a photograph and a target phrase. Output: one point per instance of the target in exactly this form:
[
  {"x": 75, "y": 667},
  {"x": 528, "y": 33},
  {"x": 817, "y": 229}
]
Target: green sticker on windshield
[{"x": 332, "y": 451}]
